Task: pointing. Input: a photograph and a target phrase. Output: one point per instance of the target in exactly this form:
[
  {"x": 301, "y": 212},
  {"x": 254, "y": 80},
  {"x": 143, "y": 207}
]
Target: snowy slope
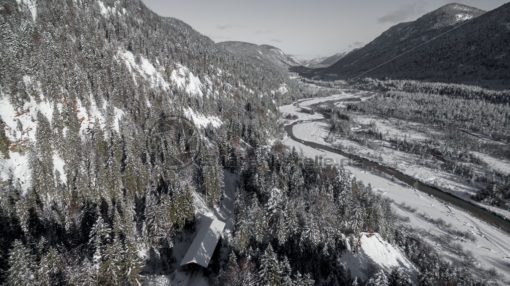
[
  {"x": 373, "y": 250},
  {"x": 382, "y": 252}
]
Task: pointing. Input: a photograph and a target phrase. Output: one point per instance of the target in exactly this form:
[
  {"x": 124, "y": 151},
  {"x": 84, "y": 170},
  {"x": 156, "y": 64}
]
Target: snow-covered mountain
[
  {"x": 447, "y": 16},
  {"x": 263, "y": 54},
  {"x": 455, "y": 43},
  {"x": 323, "y": 62}
]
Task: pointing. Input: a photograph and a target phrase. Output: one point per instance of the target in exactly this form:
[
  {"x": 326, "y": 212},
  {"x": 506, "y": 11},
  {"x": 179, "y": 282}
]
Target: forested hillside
[
  {"x": 263, "y": 54},
  {"x": 82, "y": 84}
]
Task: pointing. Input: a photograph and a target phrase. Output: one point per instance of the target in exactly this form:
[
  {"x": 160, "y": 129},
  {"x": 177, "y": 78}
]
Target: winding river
[{"x": 369, "y": 165}]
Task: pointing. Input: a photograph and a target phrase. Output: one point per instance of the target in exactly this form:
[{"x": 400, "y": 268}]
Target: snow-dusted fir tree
[
  {"x": 21, "y": 265},
  {"x": 270, "y": 272},
  {"x": 50, "y": 271}
]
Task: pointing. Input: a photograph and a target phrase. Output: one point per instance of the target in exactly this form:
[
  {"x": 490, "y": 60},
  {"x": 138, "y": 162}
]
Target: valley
[
  {"x": 457, "y": 226},
  {"x": 135, "y": 150}
]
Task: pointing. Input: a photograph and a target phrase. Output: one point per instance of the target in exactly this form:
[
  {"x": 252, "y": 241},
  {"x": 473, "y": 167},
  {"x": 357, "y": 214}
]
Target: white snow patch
[
  {"x": 142, "y": 251},
  {"x": 119, "y": 113},
  {"x": 463, "y": 17},
  {"x": 89, "y": 118},
  {"x": 145, "y": 69},
  {"x": 382, "y": 252},
  {"x": 283, "y": 89},
  {"x": 87, "y": 122},
  {"x": 394, "y": 129},
  {"x": 102, "y": 8},
  {"x": 201, "y": 120},
  {"x": 58, "y": 166},
  {"x": 17, "y": 168},
  {"x": 26, "y": 116},
  {"x": 107, "y": 11},
  {"x": 372, "y": 249},
  {"x": 500, "y": 165},
  {"x": 185, "y": 80},
  {"x": 96, "y": 114},
  {"x": 31, "y": 5}
]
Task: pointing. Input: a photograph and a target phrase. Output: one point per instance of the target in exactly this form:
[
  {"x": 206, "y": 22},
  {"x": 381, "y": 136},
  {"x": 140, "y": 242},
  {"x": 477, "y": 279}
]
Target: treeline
[
  {"x": 474, "y": 115},
  {"x": 449, "y": 89}
]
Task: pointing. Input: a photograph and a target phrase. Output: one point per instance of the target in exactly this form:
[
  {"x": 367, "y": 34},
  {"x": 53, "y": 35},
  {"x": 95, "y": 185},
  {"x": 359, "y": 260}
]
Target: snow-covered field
[
  {"x": 409, "y": 164},
  {"x": 394, "y": 129},
  {"x": 423, "y": 169},
  {"x": 500, "y": 165},
  {"x": 481, "y": 242},
  {"x": 295, "y": 108}
]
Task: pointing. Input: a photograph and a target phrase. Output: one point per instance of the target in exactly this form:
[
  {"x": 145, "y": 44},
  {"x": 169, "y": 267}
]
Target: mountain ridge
[
  {"x": 464, "y": 53},
  {"x": 267, "y": 54}
]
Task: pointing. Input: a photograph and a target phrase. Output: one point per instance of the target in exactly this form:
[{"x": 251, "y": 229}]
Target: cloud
[
  {"x": 276, "y": 40},
  {"x": 226, "y": 27},
  {"x": 263, "y": 32},
  {"x": 403, "y": 13},
  {"x": 356, "y": 45},
  {"x": 220, "y": 38}
]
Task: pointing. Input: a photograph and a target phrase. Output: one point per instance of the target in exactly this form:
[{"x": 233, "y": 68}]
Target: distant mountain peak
[
  {"x": 455, "y": 43},
  {"x": 458, "y": 7},
  {"x": 450, "y": 14},
  {"x": 269, "y": 47},
  {"x": 270, "y": 55}
]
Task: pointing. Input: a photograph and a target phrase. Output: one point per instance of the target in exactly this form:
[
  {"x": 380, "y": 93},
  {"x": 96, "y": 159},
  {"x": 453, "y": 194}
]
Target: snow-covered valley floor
[{"x": 455, "y": 233}]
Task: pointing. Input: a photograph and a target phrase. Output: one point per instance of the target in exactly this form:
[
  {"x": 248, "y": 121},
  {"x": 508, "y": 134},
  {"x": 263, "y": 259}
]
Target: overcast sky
[{"x": 304, "y": 28}]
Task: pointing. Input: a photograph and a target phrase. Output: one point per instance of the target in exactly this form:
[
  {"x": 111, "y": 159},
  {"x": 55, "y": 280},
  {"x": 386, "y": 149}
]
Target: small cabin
[{"x": 202, "y": 248}]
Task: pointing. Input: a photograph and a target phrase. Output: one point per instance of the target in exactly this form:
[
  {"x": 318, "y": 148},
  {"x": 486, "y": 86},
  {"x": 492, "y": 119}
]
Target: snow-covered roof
[{"x": 204, "y": 244}]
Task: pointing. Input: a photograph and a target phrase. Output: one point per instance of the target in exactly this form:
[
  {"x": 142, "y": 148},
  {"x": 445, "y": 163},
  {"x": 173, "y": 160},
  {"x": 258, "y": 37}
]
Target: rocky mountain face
[
  {"x": 455, "y": 43},
  {"x": 262, "y": 54}
]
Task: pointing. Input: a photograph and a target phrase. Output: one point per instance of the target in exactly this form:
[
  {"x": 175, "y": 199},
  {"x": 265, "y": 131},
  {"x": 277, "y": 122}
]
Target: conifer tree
[
  {"x": 21, "y": 265},
  {"x": 270, "y": 272},
  {"x": 233, "y": 271},
  {"x": 50, "y": 270}
]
